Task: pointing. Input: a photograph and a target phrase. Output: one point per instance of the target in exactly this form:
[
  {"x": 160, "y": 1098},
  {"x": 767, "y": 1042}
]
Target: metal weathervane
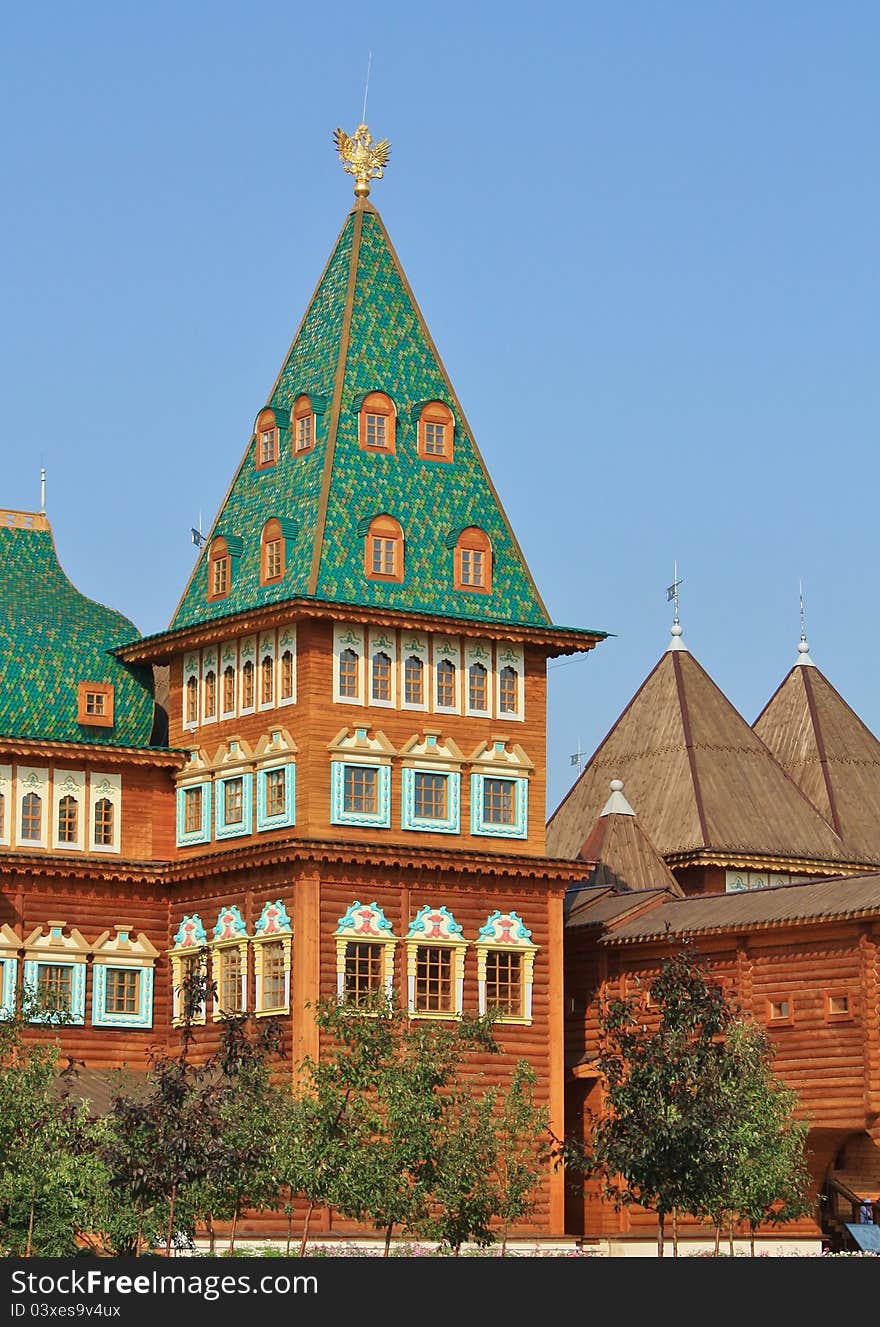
[{"x": 672, "y": 592}]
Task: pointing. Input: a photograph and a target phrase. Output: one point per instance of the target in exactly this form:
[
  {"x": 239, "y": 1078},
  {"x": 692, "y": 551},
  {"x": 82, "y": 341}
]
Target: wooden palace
[{"x": 328, "y": 775}]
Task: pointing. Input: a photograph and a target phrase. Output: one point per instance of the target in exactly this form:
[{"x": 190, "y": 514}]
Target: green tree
[
  {"x": 523, "y": 1146},
  {"x": 386, "y": 1083},
  {"x": 157, "y": 1145},
  {"x": 766, "y": 1173},
  {"x": 659, "y": 1139},
  {"x": 44, "y": 1167},
  {"x": 245, "y": 1105}
]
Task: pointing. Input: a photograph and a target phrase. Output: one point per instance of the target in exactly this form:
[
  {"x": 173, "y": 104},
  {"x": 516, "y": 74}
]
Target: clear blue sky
[{"x": 645, "y": 238}]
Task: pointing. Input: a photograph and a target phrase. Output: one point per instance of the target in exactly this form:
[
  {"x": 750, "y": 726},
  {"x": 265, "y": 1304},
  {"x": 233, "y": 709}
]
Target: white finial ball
[
  {"x": 617, "y": 785},
  {"x": 676, "y": 628},
  {"x": 803, "y": 647}
]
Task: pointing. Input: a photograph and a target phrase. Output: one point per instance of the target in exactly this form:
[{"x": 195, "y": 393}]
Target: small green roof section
[
  {"x": 52, "y": 638},
  {"x": 363, "y": 332}
]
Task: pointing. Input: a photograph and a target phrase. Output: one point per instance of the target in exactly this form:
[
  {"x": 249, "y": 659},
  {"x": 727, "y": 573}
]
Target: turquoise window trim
[
  {"x": 287, "y": 817},
  {"x": 380, "y": 819},
  {"x": 203, "y": 833},
  {"x": 408, "y": 817},
  {"x": 520, "y": 827},
  {"x": 245, "y": 826},
  {"x": 8, "y": 983},
  {"x": 101, "y": 1018},
  {"x": 77, "y": 986}
]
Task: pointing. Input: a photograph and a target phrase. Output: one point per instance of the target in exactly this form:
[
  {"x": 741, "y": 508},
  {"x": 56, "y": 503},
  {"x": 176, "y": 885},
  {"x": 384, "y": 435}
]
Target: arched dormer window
[
  {"x": 271, "y": 553},
  {"x": 218, "y": 569},
  {"x": 436, "y": 432},
  {"x": 377, "y": 423},
  {"x": 383, "y": 550},
  {"x": 473, "y": 560},
  {"x": 303, "y": 425},
  {"x": 267, "y": 439}
]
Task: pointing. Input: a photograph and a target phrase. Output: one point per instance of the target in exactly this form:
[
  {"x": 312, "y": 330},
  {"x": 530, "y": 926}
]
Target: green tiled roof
[
  {"x": 363, "y": 332},
  {"x": 51, "y": 639}
]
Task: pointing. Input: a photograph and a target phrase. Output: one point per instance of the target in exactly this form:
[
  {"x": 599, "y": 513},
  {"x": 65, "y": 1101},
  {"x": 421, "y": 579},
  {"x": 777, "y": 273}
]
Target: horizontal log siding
[{"x": 92, "y": 908}]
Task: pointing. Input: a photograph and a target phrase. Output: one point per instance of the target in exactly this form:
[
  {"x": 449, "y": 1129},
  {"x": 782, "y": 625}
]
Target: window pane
[
  {"x": 446, "y": 683},
  {"x": 504, "y": 981},
  {"x": 122, "y": 991},
  {"x": 31, "y": 816},
  {"x": 433, "y": 987},
  {"x": 414, "y": 680},
  {"x": 247, "y": 685},
  {"x": 233, "y": 801},
  {"x": 363, "y": 971},
  {"x": 228, "y": 689},
  {"x": 286, "y": 675},
  {"x": 361, "y": 789},
  {"x": 103, "y": 822},
  {"x": 230, "y": 981},
  {"x": 430, "y": 795},
  {"x": 381, "y": 676},
  {"x": 478, "y": 691},
  {"x": 348, "y": 673},
  {"x": 267, "y": 681},
  {"x": 508, "y": 691},
  {"x": 55, "y": 984},
  {"x": 192, "y": 700},
  {"x": 499, "y": 801},
  {"x": 210, "y": 694},
  {"x": 276, "y": 789},
  {"x": 272, "y": 992},
  {"x": 192, "y": 810},
  {"x": 68, "y": 817}
]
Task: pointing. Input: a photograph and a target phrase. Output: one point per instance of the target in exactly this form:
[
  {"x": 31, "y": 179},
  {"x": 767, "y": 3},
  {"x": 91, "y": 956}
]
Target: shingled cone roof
[
  {"x": 824, "y": 746},
  {"x": 701, "y": 777},
  {"x": 622, "y": 855},
  {"x": 52, "y": 638},
  {"x": 363, "y": 332}
]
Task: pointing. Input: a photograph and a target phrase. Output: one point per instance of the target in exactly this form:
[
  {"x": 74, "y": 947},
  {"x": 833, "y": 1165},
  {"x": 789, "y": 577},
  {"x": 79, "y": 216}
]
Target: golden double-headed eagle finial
[{"x": 361, "y": 157}]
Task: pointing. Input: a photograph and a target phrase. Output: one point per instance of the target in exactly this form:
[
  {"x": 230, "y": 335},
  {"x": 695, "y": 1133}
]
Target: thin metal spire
[
  {"x": 43, "y": 491},
  {"x": 676, "y": 643},
  {"x": 367, "y": 88},
  {"x": 803, "y": 646}
]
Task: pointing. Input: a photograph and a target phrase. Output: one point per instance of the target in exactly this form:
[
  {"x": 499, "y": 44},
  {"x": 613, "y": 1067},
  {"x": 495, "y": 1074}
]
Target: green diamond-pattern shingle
[
  {"x": 52, "y": 638},
  {"x": 388, "y": 351}
]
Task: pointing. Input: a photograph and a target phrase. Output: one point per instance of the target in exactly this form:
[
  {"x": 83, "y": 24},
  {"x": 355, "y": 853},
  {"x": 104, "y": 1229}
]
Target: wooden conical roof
[
  {"x": 827, "y": 750},
  {"x": 701, "y": 777}
]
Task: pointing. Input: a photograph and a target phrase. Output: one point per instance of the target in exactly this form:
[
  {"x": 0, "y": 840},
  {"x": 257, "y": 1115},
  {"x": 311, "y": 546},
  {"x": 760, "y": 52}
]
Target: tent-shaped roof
[
  {"x": 622, "y": 855},
  {"x": 700, "y": 776},
  {"x": 824, "y": 746},
  {"x": 363, "y": 332},
  {"x": 52, "y": 638}
]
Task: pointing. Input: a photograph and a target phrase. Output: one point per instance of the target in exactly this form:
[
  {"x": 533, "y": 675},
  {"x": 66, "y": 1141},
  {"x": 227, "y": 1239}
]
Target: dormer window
[
  {"x": 383, "y": 550},
  {"x": 303, "y": 425},
  {"x": 436, "y": 432},
  {"x": 95, "y": 704},
  {"x": 271, "y": 553},
  {"x": 218, "y": 569},
  {"x": 267, "y": 439},
  {"x": 377, "y": 428},
  {"x": 473, "y": 560}
]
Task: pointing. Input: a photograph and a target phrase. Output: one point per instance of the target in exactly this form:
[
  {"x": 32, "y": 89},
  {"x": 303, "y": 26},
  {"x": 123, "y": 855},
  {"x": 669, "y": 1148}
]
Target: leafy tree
[
  {"x": 245, "y": 1105},
  {"x": 157, "y": 1145},
  {"x": 383, "y": 1089},
  {"x": 522, "y": 1146},
  {"x": 767, "y": 1179},
  {"x": 463, "y": 1196},
  {"x": 659, "y": 1141},
  {"x": 45, "y": 1176}
]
